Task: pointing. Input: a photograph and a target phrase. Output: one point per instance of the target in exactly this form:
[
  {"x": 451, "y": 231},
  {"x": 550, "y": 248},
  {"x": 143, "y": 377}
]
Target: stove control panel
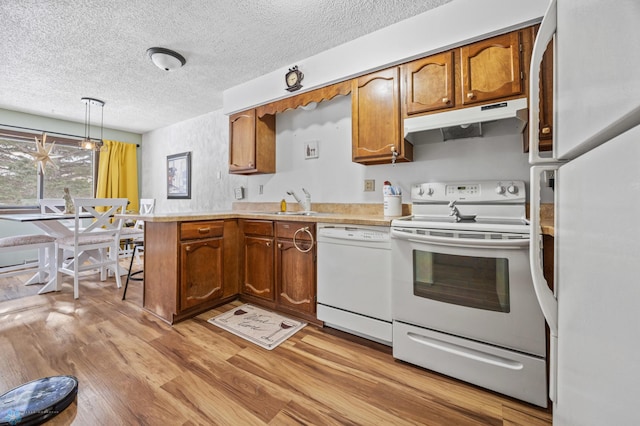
[{"x": 486, "y": 191}]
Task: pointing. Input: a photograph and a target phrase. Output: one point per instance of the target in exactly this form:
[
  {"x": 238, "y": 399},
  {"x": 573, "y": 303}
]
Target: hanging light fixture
[
  {"x": 166, "y": 59},
  {"x": 89, "y": 143}
]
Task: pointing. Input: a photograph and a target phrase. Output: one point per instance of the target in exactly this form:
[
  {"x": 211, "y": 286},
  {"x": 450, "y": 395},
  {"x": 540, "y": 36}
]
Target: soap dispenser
[{"x": 283, "y": 205}]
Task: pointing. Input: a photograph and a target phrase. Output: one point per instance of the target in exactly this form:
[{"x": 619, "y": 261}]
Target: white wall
[
  {"x": 21, "y": 119},
  {"x": 207, "y": 138},
  {"x": 453, "y": 24},
  {"x": 333, "y": 177},
  {"x": 330, "y": 178}
]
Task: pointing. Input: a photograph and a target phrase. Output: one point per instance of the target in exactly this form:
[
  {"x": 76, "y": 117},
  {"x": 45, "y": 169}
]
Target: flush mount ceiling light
[
  {"x": 166, "y": 59},
  {"x": 89, "y": 143}
]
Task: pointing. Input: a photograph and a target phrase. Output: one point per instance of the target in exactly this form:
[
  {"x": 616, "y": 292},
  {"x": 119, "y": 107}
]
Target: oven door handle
[{"x": 522, "y": 243}]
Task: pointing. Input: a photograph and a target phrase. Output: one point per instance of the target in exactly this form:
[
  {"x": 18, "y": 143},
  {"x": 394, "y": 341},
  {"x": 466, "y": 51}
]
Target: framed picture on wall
[
  {"x": 311, "y": 150},
  {"x": 179, "y": 175}
]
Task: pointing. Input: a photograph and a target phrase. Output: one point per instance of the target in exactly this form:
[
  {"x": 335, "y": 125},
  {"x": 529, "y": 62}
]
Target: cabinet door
[
  {"x": 492, "y": 69},
  {"x": 546, "y": 100},
  {"x": 376, "y": 124},
  {"x": 258, "y": 267},
  {"x": 201, "y": 271},
  {"x": 429, "y": 83},
  {"x": 296, "y": 275},
  {"x": 242, "y": 142}
]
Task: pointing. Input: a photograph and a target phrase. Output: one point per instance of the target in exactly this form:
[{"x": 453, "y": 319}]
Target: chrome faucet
[
  {"x": 304, "y": 204},
  {"x": 453, "y": 210}
]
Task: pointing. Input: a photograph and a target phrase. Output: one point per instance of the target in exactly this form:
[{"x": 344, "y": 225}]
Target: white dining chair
[
  {"x": 129, "y": 235},
  {"x": 55, "y": 206},
  {"x": 52, "y": 205},
  {"x": 44, "y": 268},
  {"x": 95, "y": 246}
]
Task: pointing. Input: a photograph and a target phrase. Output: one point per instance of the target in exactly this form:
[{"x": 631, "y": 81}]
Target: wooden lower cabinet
[
  {"x": 201, "y": 272},
  {"x": 258, "y": 257},
  {"x": 548, "y": 250},
  {"x": 280, "y": 276},
  {"x": 193, "y": 266},
  {"x": 189, "y": 267},
  {"x": 296, "y": 267}
]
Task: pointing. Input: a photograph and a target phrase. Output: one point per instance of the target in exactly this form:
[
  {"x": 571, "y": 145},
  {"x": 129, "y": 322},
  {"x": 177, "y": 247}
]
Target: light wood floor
[{"x": 135, "y": 369}]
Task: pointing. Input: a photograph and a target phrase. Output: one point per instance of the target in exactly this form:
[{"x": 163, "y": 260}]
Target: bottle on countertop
[{"x": 283, "y": 205}]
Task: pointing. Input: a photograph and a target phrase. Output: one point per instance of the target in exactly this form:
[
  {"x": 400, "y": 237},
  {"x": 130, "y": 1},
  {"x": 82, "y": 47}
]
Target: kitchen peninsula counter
[{"x": 193, "y": 261}]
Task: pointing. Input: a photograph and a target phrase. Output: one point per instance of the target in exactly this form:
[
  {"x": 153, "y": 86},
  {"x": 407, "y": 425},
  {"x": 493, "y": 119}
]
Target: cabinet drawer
[
  {"x": 288, "y": 229},
  {"x": 257, "y": 227},
  {"x": 197, "y": 230}
]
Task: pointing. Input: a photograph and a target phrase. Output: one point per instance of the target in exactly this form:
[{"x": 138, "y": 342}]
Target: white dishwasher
[{"x": 354, "y": 280}]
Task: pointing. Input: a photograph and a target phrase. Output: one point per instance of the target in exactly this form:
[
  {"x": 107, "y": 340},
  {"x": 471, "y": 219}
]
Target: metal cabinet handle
[
  {"x": 268, "y": 243},
  {"x": 204, "y": 230},
  {"x": 305, "y": 229},
  {"x": 470, "y": 95},
  {"x": 446, "y": 100},
  {"x": 546, "y": 130}
]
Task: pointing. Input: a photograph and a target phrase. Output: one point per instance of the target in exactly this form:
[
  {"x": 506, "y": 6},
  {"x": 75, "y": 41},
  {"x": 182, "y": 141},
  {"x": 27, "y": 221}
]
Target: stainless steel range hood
[{"x": 508, "y": 117}]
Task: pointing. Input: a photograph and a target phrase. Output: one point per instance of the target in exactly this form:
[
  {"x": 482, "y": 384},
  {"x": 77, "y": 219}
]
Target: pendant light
[{"x": 89, "y": 143}]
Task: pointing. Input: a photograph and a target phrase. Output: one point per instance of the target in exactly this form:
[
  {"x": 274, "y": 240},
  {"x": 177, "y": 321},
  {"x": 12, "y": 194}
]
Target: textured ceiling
[{"x": 54, "y": 52}]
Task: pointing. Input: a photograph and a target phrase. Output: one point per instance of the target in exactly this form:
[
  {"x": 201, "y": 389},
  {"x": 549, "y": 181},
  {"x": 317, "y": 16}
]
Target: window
[{"x": 22, "y": 184}]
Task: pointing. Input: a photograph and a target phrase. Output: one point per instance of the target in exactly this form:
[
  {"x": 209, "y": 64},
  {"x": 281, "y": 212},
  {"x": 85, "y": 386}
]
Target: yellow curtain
[{"x": 118, "y": 173}]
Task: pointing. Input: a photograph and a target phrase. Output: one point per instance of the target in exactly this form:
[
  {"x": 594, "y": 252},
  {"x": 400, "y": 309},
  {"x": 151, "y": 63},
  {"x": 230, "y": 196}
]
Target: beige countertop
[{"x": 356, "y": 214}]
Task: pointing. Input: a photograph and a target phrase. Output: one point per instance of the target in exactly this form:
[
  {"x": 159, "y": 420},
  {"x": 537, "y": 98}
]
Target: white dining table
[{"x": 52, "y": 224}]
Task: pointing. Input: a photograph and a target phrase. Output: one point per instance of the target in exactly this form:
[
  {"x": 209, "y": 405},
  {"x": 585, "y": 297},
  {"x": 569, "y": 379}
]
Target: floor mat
[{"x": 257, "y": 325}]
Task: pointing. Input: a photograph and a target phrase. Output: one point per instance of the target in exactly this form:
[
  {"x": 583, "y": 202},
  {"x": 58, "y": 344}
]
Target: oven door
[{"x": 468, "y": 285}]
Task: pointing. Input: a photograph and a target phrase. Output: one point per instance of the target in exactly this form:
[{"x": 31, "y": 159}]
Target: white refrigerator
[{"x": 594, "y": 311}]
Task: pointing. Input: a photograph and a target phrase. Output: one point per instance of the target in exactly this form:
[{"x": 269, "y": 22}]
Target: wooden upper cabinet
[
  {"x": 428, "y": 83},
  {"x": 492, "y": 69},
  {"x": 377, "y": 130},
  {"x": 252, "y": 143},
  {"x": 546, "y": 100},
  {"x": 545, "y": 129}
]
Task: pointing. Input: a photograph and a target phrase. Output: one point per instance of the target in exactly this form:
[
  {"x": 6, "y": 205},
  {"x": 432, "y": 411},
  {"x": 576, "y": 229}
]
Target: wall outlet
[{"x": 369, "y": 185}]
